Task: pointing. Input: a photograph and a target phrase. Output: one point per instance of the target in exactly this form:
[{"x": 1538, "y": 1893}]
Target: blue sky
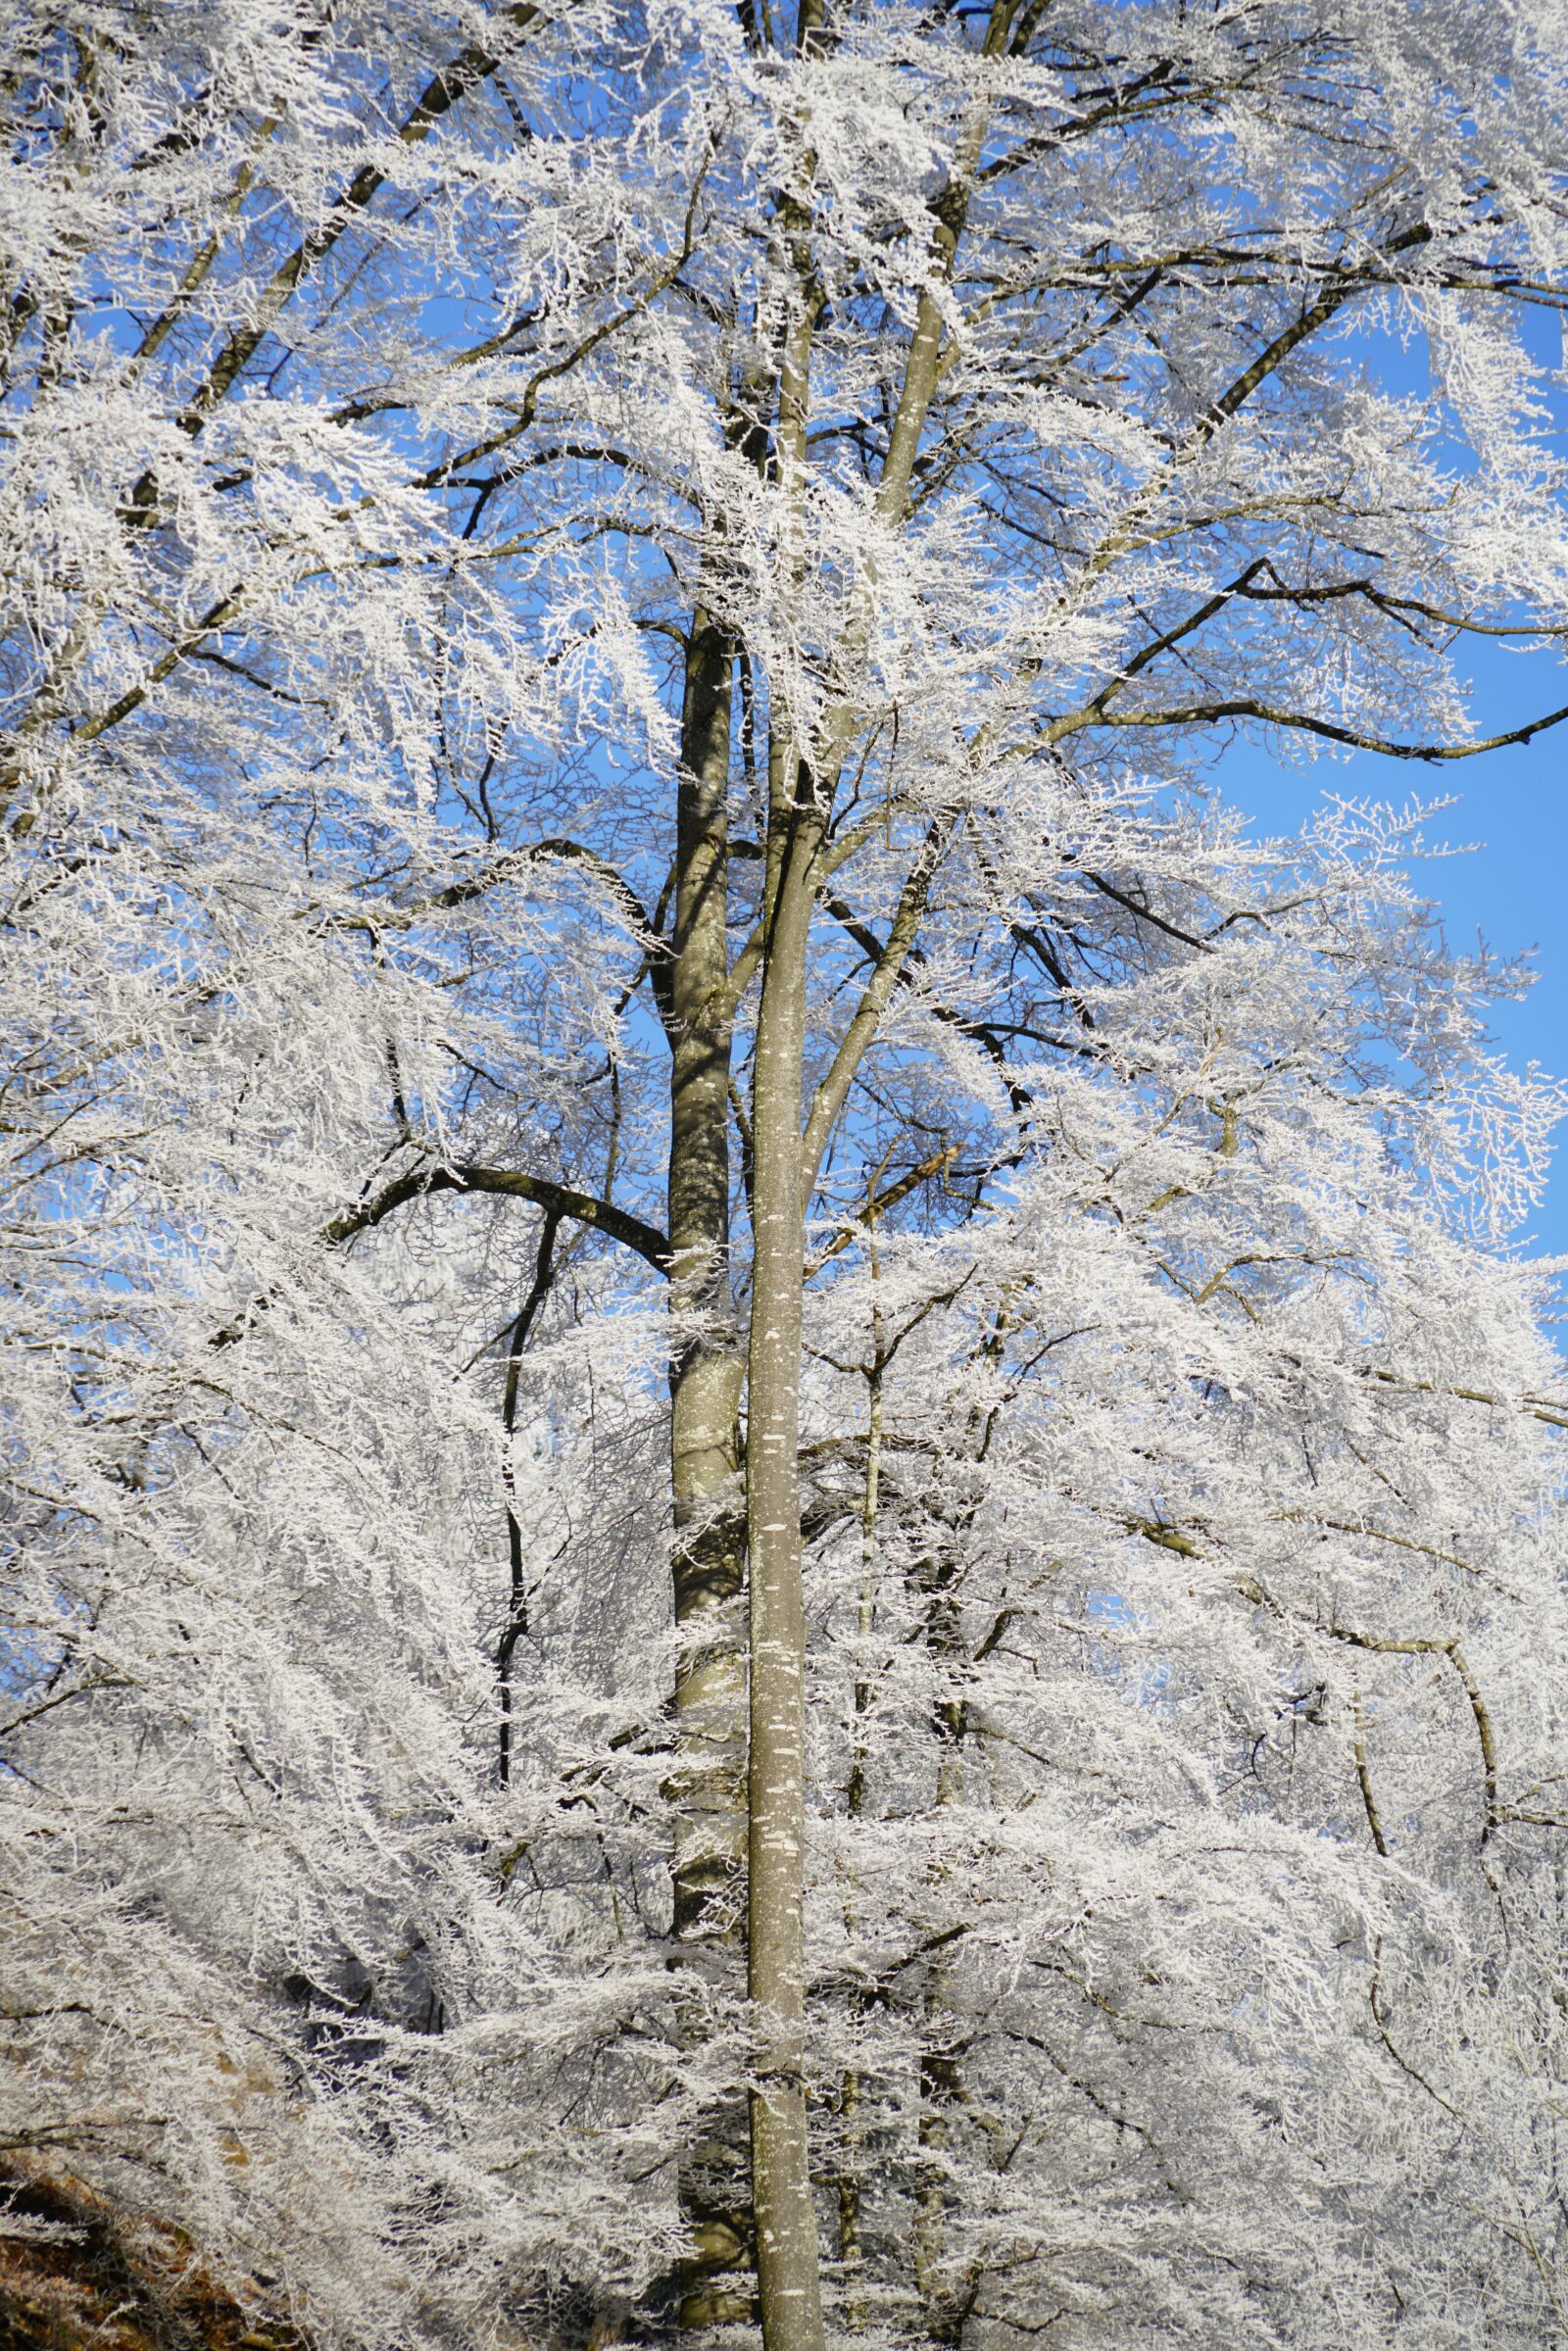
[
  {"x": 1509, "y": 888},
  {"x": 1511, "y": 811}
]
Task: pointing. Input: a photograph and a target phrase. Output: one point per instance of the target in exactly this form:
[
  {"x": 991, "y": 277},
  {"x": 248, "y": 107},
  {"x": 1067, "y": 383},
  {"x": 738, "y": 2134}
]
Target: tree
[{"x": 611, "y": 602}]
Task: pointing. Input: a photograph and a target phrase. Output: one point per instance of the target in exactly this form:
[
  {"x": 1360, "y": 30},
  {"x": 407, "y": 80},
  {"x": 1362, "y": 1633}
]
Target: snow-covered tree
[{"x": 783, "y": 1513}]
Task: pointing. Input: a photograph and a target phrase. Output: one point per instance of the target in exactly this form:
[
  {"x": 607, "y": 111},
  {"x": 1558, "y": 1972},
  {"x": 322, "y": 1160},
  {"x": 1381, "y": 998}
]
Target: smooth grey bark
[
  {"x": 787, "y": 2252},
  {"x": 785, "y": 1162}
]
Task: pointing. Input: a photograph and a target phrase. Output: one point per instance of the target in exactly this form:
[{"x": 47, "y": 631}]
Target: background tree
[{"x": 614, "y": 619}]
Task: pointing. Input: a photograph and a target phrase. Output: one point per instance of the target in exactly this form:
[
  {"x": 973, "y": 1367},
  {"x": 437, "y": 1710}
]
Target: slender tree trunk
[
  {"x": 708, "y": 1777},
  {"x": 941, "y": 2092},
  {"x": 851, "y": 2250},
  {"x": 516, "y": 1624},
  {"x": 787, "y": 2250},
  {"x": 705, "y": 1374},
  {"x": 941, "y": 2067},
  {"x": 785, "y": 1162}
]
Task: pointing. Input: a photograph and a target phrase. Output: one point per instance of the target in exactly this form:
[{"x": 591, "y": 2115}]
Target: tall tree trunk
[
  {"x": 705, "y": 1374},
  {"x": 851, "y": 2249},
  {"x": 784, "y": 1165},
  {"x": 787, "y": 2251},
  {"x": 707, "y": 1780},
  {"x": 940, "y": 2085}
]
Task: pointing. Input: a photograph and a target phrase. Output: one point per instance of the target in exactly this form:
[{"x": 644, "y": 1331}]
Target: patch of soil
[{"x": 104, "y": 2288}]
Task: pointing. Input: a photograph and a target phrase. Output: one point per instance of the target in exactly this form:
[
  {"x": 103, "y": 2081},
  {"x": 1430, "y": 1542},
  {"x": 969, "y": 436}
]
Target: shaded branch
[
  {"x": 556, "y": 1199},
  {"x": 1244, "y": 706}
]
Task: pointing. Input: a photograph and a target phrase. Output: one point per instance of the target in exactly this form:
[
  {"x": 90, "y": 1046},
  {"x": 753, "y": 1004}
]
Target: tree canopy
[{"x": 784, "y": 1520}]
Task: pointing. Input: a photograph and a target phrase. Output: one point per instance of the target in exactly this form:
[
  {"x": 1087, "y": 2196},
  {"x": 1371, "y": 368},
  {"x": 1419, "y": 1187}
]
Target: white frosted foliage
[{"x": 517, "y": 520}]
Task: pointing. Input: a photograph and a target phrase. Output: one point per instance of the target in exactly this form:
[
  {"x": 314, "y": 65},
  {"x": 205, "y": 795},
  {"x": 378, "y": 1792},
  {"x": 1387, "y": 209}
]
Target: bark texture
[
  {"x": 787, "y": 2253},
  {"x": 709, "y": 1778},
  {"x": 705, "y": 1374}
]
